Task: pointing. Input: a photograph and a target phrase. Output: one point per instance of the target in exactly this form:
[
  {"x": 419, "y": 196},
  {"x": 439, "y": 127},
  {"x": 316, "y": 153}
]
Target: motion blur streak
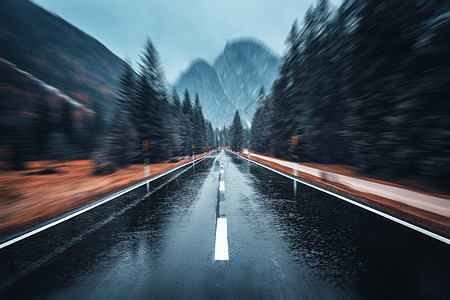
[{"x": 361, "y": 90}]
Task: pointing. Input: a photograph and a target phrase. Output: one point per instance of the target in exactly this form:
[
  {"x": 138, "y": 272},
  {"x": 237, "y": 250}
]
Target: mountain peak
[
  {"x": 197, "y": 68},
  {"x": 247, "y": 45},
  {"x": 243, "y": 67},
  {"x": 201, "y": 78},
  {"x": 200, "y": 64},
  {"x": 233, "y": 81}
]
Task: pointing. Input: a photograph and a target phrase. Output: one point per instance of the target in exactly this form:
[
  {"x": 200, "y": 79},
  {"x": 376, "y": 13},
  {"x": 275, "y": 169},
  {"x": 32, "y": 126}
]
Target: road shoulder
[{"x": 424, "y": 209}]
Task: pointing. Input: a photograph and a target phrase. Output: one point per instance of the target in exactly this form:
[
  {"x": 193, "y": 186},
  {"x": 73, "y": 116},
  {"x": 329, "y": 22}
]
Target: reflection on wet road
[{"x": 285, "y": 240}]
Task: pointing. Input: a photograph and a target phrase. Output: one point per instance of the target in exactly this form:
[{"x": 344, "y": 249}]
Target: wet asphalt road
[{"x": 285, "y": 240}]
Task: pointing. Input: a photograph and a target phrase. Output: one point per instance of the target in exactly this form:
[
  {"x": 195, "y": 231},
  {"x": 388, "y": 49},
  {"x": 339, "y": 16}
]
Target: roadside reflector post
[
  {"x": 146, "y": 167},
  {"x": 295, "y": 188},
  {"x": 294, "y": 147},
  {"x": 146, "y": 163},
  {"x": 146, "y": 160},
  {"x": 147, "y": 173}
]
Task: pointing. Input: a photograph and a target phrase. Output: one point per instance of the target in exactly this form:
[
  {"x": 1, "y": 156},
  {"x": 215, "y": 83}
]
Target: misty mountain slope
[
  {"x": 58, "y": 53},
  {"x": 201, "y": 78},
  {"x": 234, "y": 80},
  {"x": 243, "y": 67},
  {"x": 24, "y": 76}
]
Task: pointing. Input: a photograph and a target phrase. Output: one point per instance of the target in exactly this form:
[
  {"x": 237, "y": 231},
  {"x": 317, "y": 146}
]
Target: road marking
[
  {"x": 222, "y": 186},
  {"x": 385, "y": 215},
  {"x": 221, "y": 252},
  {"x": 221, "y": 171},
  {"x": 107, "y": 199}
]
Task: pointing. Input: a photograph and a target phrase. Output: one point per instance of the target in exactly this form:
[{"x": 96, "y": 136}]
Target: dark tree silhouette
[
  {"x": 236, "y": 134},
  {"x": 188, "y": 126},
  {"x": 363, "y": 86},
  {"x": 67, "y": 121},
  {"x": 122, "y": 139},
  {"x": 41, "y": 127}
]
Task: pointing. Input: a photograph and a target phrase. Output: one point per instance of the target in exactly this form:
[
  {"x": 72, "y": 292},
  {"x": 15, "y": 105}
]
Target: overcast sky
[{"x": 181, "y": 30}]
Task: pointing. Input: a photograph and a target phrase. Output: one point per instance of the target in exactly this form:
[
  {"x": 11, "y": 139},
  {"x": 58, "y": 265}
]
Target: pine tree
[
  {"x": 141, "y": 108},
  {"x": 363, "y": 86},
  {"x": 126, "y": 87},
  {"x": 176, "y": 123},
  {"x": 17, "y": 147},
  {"x": 188, "y": 127},
  {"x": 187, "y": 105},
  {"x": 176, "y": 102},
  {"x": 122, "y": 139},
  {"x": 41, "y": 127},
  {"x": 210, "y": 136},
  {"x": 258, "y": 135},
  {"x": 87, "y": 129},
  {"x": 199, "y": 126},
  {"x": 151, "y": 112},
  {"x": 98, "y": 129},
  {"x": 236, "y": 134},
  {"x": 67, "y": 121}
]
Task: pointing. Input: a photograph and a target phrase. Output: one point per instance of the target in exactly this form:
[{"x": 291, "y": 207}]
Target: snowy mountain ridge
[
  {"x": 233, "y": 81},
  {"x": 49, "y": 88}
]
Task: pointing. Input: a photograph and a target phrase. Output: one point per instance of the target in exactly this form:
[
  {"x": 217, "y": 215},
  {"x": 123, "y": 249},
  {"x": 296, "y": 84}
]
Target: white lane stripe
[
  {"x": 221, "y": 252},
  {"x": 107, "y": 199},
  {"x": 222, "y": 186},
  {"x": 385, "y": 215}
]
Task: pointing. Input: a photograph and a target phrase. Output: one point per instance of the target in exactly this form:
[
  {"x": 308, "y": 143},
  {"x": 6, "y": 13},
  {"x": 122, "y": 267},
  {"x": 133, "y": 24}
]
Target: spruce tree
[
  {"x": 236, "y": 134},
  {"x": 199, "y": 126},
  {"x": 176, "y": 123},
  {"x": 41, "y": 127},
  {"x": 67, "y": 121},
  {"x": 176, "y": 102},
  {"x": 363, "y": 86},
  {"x": 122, "y": 140},
  {"x": 151, "y": 105},
  {"x": 258, "y": 132},
  {"x": 187, "y": 105},
  {"x": 188, "y": 127}
]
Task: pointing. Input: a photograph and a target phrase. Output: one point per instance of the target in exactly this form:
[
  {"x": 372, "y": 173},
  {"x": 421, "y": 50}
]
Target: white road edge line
[
  {"x": 221, "y": 252},
  {"x": 385, "y": 215},
  {"x": 107, "y": 199},
  {"x": 222, "y": 186}
]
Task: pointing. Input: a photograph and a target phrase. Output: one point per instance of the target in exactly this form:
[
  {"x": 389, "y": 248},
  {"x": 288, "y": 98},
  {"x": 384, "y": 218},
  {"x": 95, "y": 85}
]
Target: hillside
[
  {"x": 58, "y": 53},
  {"x": 201, "y": 78}
]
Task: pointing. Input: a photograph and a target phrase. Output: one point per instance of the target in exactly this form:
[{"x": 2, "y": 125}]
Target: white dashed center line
[
  {"x": 221, "y": 240},
  {"x": 222, "y": 186}
]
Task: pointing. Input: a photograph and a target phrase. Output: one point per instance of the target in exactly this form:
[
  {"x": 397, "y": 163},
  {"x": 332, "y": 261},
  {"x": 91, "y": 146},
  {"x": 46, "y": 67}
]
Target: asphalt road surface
[{"x": 261, "y": 236}]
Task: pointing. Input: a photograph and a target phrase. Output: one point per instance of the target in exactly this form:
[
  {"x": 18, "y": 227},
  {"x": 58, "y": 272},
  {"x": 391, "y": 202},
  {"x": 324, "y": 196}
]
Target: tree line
[
  {"x": 145, "y": 116},
  {"x": 364, "y": 85},
  {"x": 38, "y": 125}
]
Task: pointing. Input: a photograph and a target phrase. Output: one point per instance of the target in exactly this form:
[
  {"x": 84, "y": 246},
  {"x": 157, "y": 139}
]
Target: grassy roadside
[
  {"x": 432, "y": 220},
  {"x": 27, "y": 198}
]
